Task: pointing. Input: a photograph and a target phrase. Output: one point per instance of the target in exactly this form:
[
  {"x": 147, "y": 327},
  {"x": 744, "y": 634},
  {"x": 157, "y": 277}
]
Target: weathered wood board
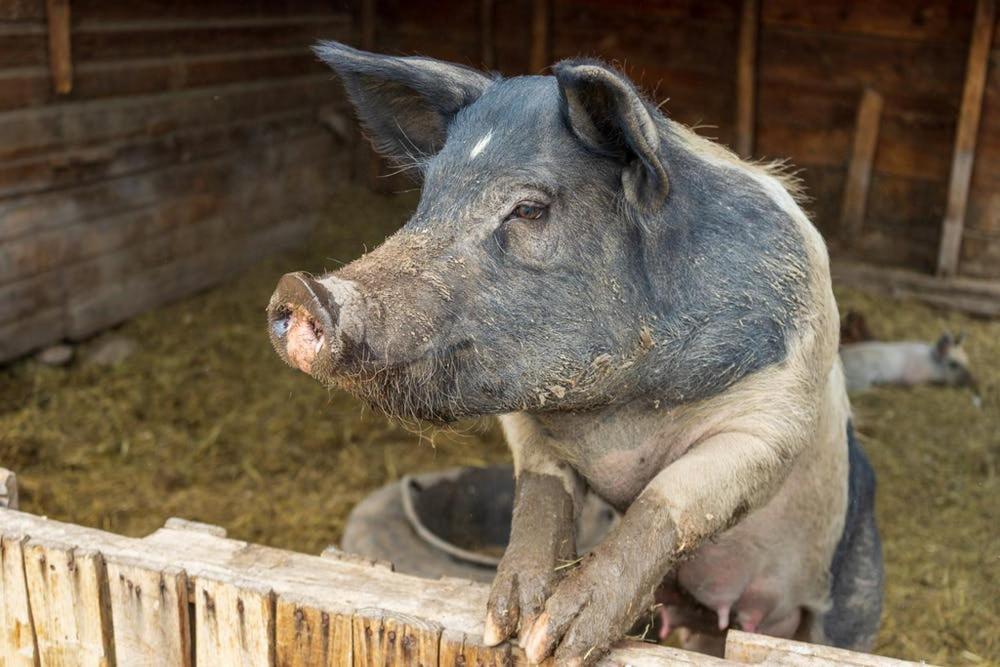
[{"x": 75, "y": 595}]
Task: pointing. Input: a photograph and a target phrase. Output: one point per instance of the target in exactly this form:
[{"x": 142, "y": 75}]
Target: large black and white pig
[{"x": 652, "y": 320}]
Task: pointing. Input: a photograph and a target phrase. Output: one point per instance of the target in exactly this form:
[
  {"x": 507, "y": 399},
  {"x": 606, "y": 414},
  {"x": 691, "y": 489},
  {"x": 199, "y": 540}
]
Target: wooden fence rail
[{"x": 187, "y": 595}]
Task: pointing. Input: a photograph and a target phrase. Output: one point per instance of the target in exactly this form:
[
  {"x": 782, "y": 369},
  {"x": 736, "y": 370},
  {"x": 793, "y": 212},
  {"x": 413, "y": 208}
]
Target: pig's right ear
[
  {"x": 604, "y": 110},
  {"x": 405, "y": 103}
]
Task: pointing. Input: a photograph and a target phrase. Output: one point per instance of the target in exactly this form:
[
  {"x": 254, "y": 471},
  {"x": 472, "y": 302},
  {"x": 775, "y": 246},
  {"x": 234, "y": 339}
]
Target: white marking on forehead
[{"x": 480, "y": 145}]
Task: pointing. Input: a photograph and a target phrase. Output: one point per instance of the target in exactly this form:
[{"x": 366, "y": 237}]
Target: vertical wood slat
[
  {"x": 963, "y": 157},
  {"x": 859, "y": 170},
  {"x": 367, "y": 160},
  {"x": 149, "y": 612},
  {"x": 308, "y": 637},
  {"x": 69, "y": 605},
  {"x": 60, "y": 56},
  {"x": 17, "y": 631},
  {"x": 487, "y": 16},
  {"x": 746, "y": 79},
  {"x": 390, "y": 639},
  {"x": 541, "y": 50},
  {"x": 457, "y": 648},
  {"x": 234, "y": 624}
]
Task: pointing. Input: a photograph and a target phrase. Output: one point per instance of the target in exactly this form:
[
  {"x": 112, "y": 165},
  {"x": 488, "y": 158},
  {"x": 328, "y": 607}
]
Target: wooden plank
[
  {"x": 31, "y": 87},
  {"x": 117, "y": 301},
  {"x": 29, "y": 333},
  {"x": 859, "y": 170},
  {"x": 234, "y": 622},
  {"x": 242, "y": 198},
  {"x": 848, "y": 62},
  {"x": 24, "y": 298},
  {"x": 141, "y": 11},
  {"x": 746, "y": 78},
  {"x": 394, "y": 639},
  {"x": 487, "y": 19},
  {"x": 8, "y": 489},
  {"x": 743, "y": 647},
  {"x": 102, "y": 40},
  {"x": 60, "y": 56},
  {"x": 323, "y": 584},
  {"x": 149, "y": 613},
  {"x": 69, "y": 605},
  {"x": 184, "y": 190},
  {"x": 17, "y": 631},
  {"x": 57, "y": 127},
  {"x": 22, "y": 10},
  {"x": 541, "y": 49},
  {"x": 309, "y": 637},
  {"x": 971, "y": 295},
  {"x": 176, "y": 523},
  {"x": 931, "y": 20},
  {"x": 965, "y": 137},
  {"x": 458, "y": 648}
]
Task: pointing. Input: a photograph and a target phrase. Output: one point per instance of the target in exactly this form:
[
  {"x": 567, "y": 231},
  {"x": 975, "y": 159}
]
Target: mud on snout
[{"x": 318, "y": 325}]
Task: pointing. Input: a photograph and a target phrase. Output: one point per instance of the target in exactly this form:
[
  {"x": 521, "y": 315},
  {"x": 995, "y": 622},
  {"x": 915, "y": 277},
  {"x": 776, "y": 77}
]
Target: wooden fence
[{"x": 188, "y": 595}]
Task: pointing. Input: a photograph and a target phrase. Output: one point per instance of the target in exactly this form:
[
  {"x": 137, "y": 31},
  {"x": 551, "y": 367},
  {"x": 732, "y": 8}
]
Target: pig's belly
[{"x": 765, "y": 571}]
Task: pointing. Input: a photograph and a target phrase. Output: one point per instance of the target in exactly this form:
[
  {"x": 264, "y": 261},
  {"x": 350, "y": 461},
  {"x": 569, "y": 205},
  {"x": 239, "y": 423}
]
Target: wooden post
[
  {"x": 368, "y": 25},
  {"x": 487, "y": 14},
  {"x": 17, "y": 630},
  {"x": 859, "y": 170},
  {"x": 60, "y": 58},
  {"x": 746, "y": 80},
  {"x": 149, "y": 613},
  {"x": 541, "y": 51},
  {"x": 8, "y": 489},
  {"x": 965, "y": 137},
  {"x": 367, "y": 159},
  {"x": 69, "y": 607}
]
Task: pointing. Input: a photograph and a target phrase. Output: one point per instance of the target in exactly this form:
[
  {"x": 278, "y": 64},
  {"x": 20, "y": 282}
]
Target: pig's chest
[{"x": 618, "y": 454}]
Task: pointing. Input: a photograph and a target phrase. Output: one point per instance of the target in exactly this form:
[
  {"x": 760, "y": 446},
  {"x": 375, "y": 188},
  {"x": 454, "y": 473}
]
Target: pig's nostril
[{"x": 281, "y": 321}]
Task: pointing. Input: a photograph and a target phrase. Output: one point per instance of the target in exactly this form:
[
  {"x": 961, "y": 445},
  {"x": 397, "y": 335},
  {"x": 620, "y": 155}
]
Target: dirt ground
[{"x": 204, "y": 422}]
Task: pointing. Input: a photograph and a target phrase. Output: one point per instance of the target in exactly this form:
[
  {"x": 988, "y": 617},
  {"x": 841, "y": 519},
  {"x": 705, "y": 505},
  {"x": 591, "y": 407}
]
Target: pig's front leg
[
  {"x": 542, "y": 538},
  {"x": 704, "y": 492}
]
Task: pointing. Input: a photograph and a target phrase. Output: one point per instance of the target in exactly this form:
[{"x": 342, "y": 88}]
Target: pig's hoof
[
  {"x": 516, "y": 598},
  {"x": 583, "y": 617}
]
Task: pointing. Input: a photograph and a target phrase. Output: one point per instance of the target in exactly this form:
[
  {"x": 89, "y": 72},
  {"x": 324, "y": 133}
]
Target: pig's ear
[
  {"x": 942, "y": 346},
  {"x": 404, "y": 103},
  {"x": 604, "y": 110}
]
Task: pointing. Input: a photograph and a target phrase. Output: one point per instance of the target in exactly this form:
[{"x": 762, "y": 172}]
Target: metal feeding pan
[{"x": 454, "y": 523}]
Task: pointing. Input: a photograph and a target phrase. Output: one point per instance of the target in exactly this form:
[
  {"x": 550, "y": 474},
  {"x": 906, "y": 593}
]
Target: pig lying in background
[
  {"x": 650, "y": 317},
  {"x": 907, "y": 363}
]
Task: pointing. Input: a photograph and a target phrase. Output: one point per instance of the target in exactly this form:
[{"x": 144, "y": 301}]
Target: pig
[
  {"x": 907, "y": 363},
  {"x": 650, "y": 318}
]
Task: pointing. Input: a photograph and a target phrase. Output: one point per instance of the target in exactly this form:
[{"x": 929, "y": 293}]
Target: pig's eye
[{"x": 528, "y": 211}]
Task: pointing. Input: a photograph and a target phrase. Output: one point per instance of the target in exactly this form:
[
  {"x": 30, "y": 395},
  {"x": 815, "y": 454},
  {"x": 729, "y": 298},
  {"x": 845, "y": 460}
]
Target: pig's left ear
[
  {"x": 604, "y": 110},
  {"x": 406, "y": 103}
]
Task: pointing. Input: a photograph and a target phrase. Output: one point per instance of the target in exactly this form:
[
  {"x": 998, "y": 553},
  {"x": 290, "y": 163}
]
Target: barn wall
[
  {"x": 193, "y": 139},
  {"x": 190, "y": 144},
  {"x": 813, "y": 62}
]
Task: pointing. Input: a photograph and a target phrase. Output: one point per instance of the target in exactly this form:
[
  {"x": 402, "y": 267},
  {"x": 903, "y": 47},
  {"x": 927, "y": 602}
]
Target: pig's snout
[{"x": 307, "y": 318}]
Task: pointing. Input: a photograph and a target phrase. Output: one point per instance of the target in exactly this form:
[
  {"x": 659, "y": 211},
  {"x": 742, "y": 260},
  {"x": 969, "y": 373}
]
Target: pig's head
[
  {"x": 518, "y": 282},
  {"x": 549, "y": 264},
  {"x": 951, "y": 363}
]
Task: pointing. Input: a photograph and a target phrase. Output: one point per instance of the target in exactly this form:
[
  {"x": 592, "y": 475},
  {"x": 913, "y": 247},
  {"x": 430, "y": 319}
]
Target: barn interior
[{"x": 163, "y": 162}]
